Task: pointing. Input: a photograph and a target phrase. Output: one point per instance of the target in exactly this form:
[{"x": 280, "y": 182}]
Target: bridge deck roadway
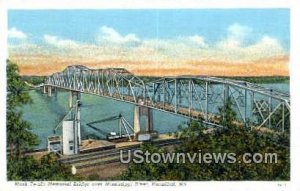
[{"x": 167, "y": 107}]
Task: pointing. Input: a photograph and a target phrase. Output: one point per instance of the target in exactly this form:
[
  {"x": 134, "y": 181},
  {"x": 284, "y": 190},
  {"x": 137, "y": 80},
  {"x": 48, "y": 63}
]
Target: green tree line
[
  {"x": 20, "y": 138},
  {"x": 230, "y": 139}
]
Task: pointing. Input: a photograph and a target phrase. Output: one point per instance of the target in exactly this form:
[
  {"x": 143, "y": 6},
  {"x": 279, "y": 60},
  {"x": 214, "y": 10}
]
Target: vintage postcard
[{"x": 100, "y": 97}]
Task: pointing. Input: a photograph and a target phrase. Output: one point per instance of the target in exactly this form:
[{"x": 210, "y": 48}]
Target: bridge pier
[
  {"x": 140, "y": 111},
  {"x": 72, "y": 95},
  {"x": 74, "y": 102},
  {"x": 49, "y": 90},
  {"x": 71, "y": 99},
  {"x": 136, "y": 126},
  {"x": 78, "y": 104},
  {"x": 55, "y": 91}
]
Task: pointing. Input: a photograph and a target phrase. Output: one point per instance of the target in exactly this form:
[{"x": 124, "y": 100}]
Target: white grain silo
[{"x": 69, "y": 142}]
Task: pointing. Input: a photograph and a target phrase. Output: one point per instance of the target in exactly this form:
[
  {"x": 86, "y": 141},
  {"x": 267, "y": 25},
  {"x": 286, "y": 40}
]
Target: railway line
[{"x": 107, "y": 156}]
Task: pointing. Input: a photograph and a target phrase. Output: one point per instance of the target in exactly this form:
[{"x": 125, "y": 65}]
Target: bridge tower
[
  {"x": 140, "y": 111},
  {"x": 71, "y": 127}
]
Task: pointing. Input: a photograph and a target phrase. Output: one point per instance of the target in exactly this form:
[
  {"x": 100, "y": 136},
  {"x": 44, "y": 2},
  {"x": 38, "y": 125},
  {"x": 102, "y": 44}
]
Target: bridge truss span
[{"x": 199, "y": 98}]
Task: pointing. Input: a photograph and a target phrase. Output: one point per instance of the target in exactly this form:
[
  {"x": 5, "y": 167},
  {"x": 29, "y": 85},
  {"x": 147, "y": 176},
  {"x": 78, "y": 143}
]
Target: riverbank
[
  {"x": 265, "y": 80},
  {"x": 251, "y": 79}
]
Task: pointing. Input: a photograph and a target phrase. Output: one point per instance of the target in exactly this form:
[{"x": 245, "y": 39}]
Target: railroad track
[{"x": 107, "y": 156}]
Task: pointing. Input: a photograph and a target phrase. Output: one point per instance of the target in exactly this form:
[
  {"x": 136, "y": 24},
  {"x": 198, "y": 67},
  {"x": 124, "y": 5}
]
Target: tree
[
  {"x": 19, "y": 137},
  {"x": 227, "y": 115},
  {"x": 146, "y": 171},
  {"x": 47, "y": 168},
  {"x": 16, "y": 95},
  {"x": 231, "y": 139}
]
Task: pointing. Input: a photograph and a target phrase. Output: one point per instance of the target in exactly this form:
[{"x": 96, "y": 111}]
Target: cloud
[
  {"x": 266, "y": 47},
  {"x": 199, "y": 40},
  {"x": 16, "y": 34},
  {"x": 60, "y": 43},
  {"x": 237, "y": 36},
  {"x": 238, "y": 32},
  {"x": 111, "y": 45},
  {"x": 110, "y": 35},
  {"x": 236, "y": 45}
]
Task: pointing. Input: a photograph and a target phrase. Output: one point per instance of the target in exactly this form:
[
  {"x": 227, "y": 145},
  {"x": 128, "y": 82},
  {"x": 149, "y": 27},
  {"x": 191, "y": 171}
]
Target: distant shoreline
[
  {"x": 252, "y": 79},
  {"x": 263, "y": 79}
]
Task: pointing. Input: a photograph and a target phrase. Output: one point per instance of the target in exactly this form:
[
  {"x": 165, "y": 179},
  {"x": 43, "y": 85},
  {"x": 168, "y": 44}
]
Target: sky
[{"x": 152, "y": 41}]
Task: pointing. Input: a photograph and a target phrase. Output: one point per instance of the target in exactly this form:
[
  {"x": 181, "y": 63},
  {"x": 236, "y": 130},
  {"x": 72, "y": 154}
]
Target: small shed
[{"x": 54, "y": 144}]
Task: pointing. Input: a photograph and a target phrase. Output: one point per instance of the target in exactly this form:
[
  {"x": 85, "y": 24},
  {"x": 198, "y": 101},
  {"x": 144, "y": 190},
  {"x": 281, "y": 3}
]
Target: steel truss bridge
[{"x": 198, "y": 98}]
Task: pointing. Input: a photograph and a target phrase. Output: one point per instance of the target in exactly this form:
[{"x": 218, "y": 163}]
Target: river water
[{"x": 46, "y": 112}]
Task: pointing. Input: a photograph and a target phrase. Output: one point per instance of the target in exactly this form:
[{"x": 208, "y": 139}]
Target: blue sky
[
  {"x": 155, "y": 38},
  {"x": 82, "y": 25}
]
